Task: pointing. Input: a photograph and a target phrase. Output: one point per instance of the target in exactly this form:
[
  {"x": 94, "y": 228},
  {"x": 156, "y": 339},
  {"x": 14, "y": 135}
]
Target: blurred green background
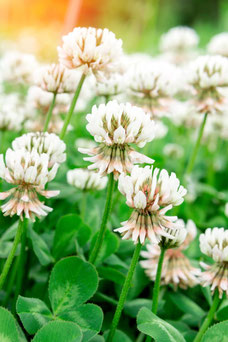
[{"x": 37, "y": 25}]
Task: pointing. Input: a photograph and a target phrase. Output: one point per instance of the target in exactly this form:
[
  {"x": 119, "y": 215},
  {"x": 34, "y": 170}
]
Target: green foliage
[
  {"x": 59, "y": 331},
  {"x": 222, "y": 313},
  {"x": 119, "y": 336},
  {"x": 217, "y": 333},
  {"x": 9, "y": 332},
  {"x": 40, "y": 247},
  {"x": 70, "y": 228},
  {"x": 149, "y": 324},
  {"x": 33, "y": 313},
  {"x": 109, "y": 246},
  {"x": 72, "y": 282}
]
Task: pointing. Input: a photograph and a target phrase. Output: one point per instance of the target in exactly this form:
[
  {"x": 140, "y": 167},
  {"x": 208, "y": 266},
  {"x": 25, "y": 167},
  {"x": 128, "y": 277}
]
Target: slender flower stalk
[
  {"x": 9, "y": 260},
  {"x": 72, "y": 106},
  {"x": 21, "y": 262},
  {"x": 49, "y": 113},
  {"x": 157, "y": 283},
  {"x": 124, "y": 292},
  {"x": 192, "y": 159},
  {"x": 107, "y": 211},
  {"x": 209, "y": 317}
]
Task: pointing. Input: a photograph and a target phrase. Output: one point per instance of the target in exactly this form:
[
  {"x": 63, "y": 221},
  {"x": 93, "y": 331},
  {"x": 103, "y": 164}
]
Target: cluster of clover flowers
[{"x": 116, "y": 127}]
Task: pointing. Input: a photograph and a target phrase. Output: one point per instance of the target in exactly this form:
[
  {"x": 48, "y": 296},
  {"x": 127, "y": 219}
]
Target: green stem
[
  {"x": 21, "y": 263},
  {"x": 157, "y": 285},
  {"x": 49, "y": 113},
  {"x": 140, "y": 338},
  {"x": 158, "y": 281},
  {"x": 11, "y": 281},
  {"x": 209, "y": 317},
  {"x": 124, "y": 292},
  {"x": 108, "y": 205},
  {"x": 197, "y": 145},
  {"x": 9, "y": 260},
  {"x": 72, "y": 106}
]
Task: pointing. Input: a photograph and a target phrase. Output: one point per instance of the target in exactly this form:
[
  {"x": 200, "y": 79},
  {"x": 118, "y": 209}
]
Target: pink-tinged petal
[
  {"x": 4, "y": 195},
  {"x": 49, "y": 193},
  {"x": 140, "y": 158}
]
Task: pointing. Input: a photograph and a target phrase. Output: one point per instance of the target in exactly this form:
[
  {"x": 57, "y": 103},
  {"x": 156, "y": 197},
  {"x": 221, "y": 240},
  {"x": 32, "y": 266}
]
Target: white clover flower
[
  {"x": 218, "y": 45},
  {"x": 173, "y": 151},
  {"x": 115, "y": 126},
  {"x": 160, "y": 129},
  {"x": 18, "y": 67},
  {"x": 56, "y": 78},
  {"x": 214, "y": 243},
  {"x": 178, "y": 39},
  {"x": 152, "y": 80},
  {"x": 92, "y": 49},
  {"x": 184, "y": 114},
  {"x": 177, "y": 269},
  {"x": 176, "y": 238},
  {"x": 48, "y": 143},
  {"x": 113, "y": 85},
  {"x": 84, "y": 143},
  {"x": 30, "y": 173},
  {"x": 207, "y": 74},
  {"x": 151, "y": 193},
  {"x": 41, "y": 100},
  {"x": 12, "y": 113},
  {"x": 152, "y": 85},
  {"x": 86, "y": 180}
]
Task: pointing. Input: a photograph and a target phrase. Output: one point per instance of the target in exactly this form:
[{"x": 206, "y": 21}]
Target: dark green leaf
[
  {"x": 8, "y": 328},
  {"x": 109, "y": 245},
  {"x": 119, "y": 336},
  {"x": 72, "y": 282},
  {"x": 222, "y": 313},
  {"x": 70, "y": 228},
  {"x": 149, "y": 324},
  {"x": 33, "y": 313},
  {"x": 59, "y": 332},
  {"x": 217, "y": 333},
  {"x": 110, "y": 273},
  {"x": 132, "y": 307},
  {"x": 40, "y": 247},
  {"x": 186, "y": 305},
  {"x": 88, "y": 316}
]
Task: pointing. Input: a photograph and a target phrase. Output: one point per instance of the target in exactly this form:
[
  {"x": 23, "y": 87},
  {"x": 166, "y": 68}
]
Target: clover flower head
[
  {"x": 179, "y": 38},
  {"x": 173, "y": 151},
  {"x": 86, "y": 180},
  {"x": 114, "y": 127},
  {"x": 208, "y": 72},
  {"x": 177, "y": 269},
  {"x": 151, "y": 193},
  {"x": 91, "y": 49},
  {"x": 12, "y": 113},
  {"x": 214, "y": 243},
  {"x": 152, "y": 79},
  {"x": 113, "y": 85},
  {"x": 218, "y": 45},
  {"x": 42, "y": 143},
  {"x": 18, "y": 67},
  {"x": 56, "y": 78},
  {"x": 29, "y": 172},
  {"x": 207, "y": 75}
]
